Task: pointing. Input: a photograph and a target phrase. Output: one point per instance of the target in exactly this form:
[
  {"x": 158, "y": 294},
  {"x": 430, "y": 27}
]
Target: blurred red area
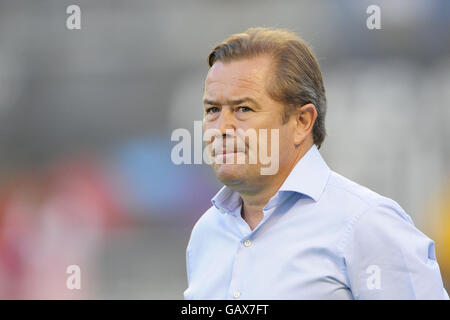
[{"x": 48, "y": 221}]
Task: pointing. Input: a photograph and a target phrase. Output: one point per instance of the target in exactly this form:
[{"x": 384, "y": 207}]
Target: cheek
[
  {"x": 286, "y": 138},
  {"x": 209, "y": 133}
]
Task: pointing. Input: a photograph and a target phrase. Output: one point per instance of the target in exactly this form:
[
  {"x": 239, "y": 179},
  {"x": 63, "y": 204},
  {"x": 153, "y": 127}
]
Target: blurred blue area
[{"x": 155, "y": 187}]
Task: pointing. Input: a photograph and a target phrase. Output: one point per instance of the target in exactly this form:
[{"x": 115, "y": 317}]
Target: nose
[
  {"x": 226, "y": 121},
  {"x": 220, "y": 132}
]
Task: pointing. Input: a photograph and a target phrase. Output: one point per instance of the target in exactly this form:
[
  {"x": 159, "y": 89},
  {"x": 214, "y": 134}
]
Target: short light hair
[{"x": 297, "y": 79}]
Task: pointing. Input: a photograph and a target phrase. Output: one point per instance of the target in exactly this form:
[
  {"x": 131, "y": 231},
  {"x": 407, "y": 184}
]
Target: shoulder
[
  {"x": 377, "y": 221},
  {"x": 365, "y": 210},
  {"x": 358, "y": 200},
  {"x": 350, "y": 190}
]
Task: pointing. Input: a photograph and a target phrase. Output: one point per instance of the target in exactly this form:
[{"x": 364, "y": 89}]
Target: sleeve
[{"x": 387, "y": 257}]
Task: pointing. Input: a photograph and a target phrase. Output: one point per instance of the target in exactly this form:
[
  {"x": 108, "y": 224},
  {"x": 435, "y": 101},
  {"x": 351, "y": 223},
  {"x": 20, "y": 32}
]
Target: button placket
[{"x": 238, "y": 275}]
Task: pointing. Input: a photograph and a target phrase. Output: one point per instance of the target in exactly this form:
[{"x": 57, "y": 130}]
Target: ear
[{"x": 305, "y": 117}]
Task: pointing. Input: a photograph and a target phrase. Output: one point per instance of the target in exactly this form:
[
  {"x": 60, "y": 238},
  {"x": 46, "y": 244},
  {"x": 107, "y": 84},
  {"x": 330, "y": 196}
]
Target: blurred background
[{"x": 86, "y": 118}]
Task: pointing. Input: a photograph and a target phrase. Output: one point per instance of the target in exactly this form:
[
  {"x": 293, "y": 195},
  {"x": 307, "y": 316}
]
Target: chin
[{"x": 230, "y": 174}]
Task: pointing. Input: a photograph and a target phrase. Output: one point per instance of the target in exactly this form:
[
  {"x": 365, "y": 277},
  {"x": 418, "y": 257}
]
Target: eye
[
  {"x": 244, "y": 109},
  {"x": 212, "y": 110}
]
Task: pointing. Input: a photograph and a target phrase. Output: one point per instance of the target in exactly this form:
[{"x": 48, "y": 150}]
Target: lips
[
  {"x": 222, "y": 150},
  {"x": 230, "y": 152}
]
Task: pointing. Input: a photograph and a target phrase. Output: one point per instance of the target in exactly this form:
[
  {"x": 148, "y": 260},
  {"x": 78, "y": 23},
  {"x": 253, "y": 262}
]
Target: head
[{"x": 262, "y": 79}]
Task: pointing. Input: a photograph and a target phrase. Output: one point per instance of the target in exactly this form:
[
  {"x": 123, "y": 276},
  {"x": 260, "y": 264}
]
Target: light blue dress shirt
[{"x": 322, "y": 237}]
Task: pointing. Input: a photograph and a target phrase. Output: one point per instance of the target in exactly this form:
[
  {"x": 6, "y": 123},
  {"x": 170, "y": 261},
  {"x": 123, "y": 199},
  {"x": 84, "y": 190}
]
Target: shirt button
[
  {"x": 247, "y": 243},
  {"x": 236, "y": 294}
]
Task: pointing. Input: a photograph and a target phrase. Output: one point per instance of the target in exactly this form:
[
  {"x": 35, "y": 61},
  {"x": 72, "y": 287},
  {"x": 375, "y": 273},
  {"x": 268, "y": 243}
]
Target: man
[{"x": 303, "y": 232}]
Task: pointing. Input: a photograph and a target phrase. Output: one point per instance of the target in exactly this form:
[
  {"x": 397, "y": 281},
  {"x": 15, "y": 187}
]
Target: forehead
[{"x": 240, "y": 77}]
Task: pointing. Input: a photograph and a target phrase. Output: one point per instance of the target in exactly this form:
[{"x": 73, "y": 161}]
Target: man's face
[{"x": 235, "y": 98}]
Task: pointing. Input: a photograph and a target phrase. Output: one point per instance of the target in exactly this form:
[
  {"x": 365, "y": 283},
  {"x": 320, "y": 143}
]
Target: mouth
[
  {"x": 226, "y": 150},
  {"x": 227, "y": 153}
]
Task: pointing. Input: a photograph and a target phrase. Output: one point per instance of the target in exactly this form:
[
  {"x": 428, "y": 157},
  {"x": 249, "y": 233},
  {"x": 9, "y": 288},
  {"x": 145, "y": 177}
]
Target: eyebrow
[{"x": 231, "y": 102}]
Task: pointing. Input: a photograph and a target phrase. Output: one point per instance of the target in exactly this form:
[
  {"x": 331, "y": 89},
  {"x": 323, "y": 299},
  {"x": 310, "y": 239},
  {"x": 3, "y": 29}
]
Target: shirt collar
[{"x": 309, "y": 177}]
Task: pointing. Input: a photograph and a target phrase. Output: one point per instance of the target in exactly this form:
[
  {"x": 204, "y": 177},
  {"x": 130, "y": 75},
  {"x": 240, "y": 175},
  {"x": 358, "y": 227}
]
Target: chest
[{"x": 275, "y": 263}]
